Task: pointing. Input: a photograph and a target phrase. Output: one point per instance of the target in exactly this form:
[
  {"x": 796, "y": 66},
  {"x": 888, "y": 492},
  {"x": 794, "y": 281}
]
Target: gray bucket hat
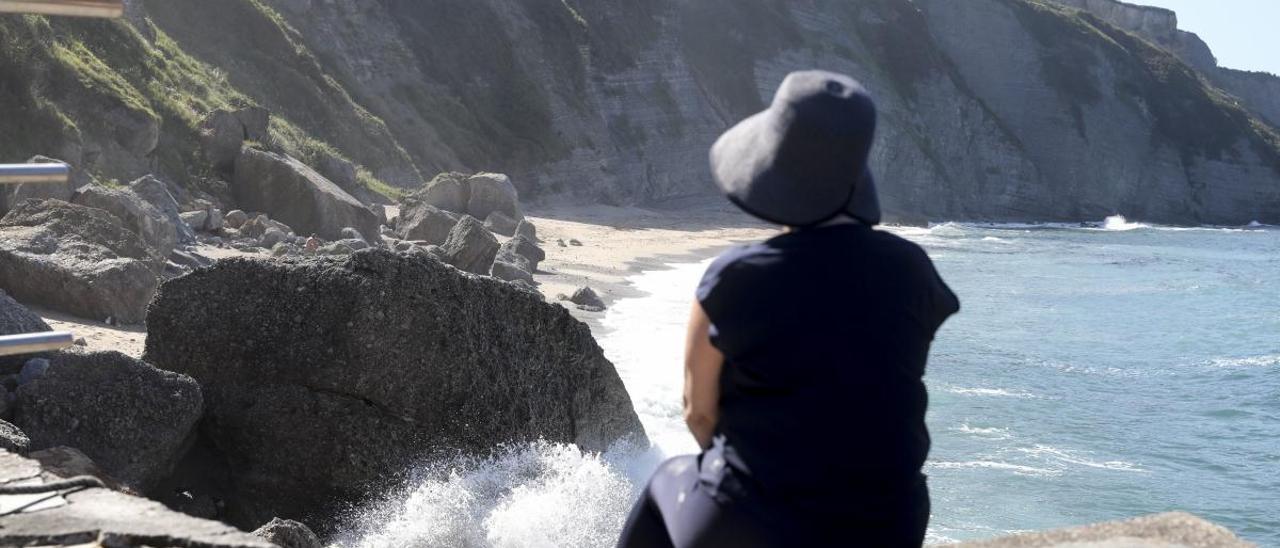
[{"x": 803, "y": 161}]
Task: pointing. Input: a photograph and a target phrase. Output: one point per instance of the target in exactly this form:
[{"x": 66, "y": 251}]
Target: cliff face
[{"x": 992, "y": 109}]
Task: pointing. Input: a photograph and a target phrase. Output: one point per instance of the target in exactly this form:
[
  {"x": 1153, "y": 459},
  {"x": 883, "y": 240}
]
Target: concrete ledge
[{"x": 1170, "y": 530}]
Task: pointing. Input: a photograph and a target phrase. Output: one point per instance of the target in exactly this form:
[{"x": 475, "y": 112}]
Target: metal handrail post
[{"x": 76, "y": 8}]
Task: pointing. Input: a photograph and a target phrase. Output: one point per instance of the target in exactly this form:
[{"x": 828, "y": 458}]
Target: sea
[{"x": 1096, "y": 372}]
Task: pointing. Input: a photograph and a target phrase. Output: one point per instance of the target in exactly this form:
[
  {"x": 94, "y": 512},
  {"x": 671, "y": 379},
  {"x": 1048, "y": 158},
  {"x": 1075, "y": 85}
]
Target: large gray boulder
[
  {"x": 223, "y": 132},
  {"x": 156, "y": 193},
  {"x": 524, "y": 247},
  {"x": 493, "y": 192},
  {"x": 470, "y": 246},
  {"x": 147, "y": 221},
  {"x": 448, "y": 191},
  {"x": 421, "y": 221},
  {"x": 132, "y": 419},
  {"x": 327, "y": 378},
  {"x": 295, "y": 194},
  {"x": 76, "y": 259},
  {"x": 512, "y": 268},
  {"x": 15, "y": 319}
]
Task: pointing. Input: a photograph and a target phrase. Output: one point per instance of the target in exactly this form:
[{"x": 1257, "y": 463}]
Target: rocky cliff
[{"x": 993, "y": 109}]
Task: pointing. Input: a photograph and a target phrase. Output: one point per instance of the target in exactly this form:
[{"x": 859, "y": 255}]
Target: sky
[{"x": 1242, "y": 33}]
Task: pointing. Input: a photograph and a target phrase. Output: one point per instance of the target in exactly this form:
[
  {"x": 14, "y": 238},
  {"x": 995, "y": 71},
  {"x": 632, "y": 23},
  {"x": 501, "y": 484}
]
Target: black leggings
[{"x": 693, "y": 502}]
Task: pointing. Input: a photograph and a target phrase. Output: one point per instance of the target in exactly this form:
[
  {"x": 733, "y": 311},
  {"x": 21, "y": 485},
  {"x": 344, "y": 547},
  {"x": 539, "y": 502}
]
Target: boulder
[
  {"x": 15, "y": 319},
  {"x": 197, "y": 220},
  {"x": 328, "y": 378},
  {"x": 271, "y": 237},
  {"x": 132, "y": 419},
  {"x": 525, "y": 247},
  {"x": 283, "y": 249},
  {"x": 498, "y": 223},
  {"x": 76, "y": 259},
  {"x": 13, "y": 439},
  {"x": 354, "y": 243},
  {"x": 147, "y": 221},
  {"x": 511, "y": 267},
  {"x": 69, "y": 462},
  {"x": 425, "y": 222},
  {"x": 349, "y": 233},
  {"x": 528, "y": 230},
  {"x": 335, "y": 249},
  {"x": 235, "y": 219},
  {"x": 287, "y": 533},
  {"x": 447, "y": 191},
  {"x": 470, "y": 246},
  {"x": 295, "y": 194},
  {"x": 490, "y": 192},
  {"x": 12, "y": 195},
  {"x": 103, "y": 517},
  {"x": 159, "y": 195},
  {"x": 223, "y": 132},
  {"x": 585, "y": 296},
  {"x": 216, "y": 220}
]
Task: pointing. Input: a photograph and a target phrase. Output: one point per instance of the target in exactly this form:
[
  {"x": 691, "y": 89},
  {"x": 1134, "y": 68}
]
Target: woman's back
[{"x": 825, "y": 333}]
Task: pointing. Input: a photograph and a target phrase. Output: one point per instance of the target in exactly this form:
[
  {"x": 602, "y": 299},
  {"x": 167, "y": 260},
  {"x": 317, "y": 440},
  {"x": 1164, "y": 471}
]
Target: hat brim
[{"x": 742, "y": 165}]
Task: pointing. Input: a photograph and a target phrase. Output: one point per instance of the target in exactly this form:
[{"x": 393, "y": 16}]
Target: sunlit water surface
[{"x": 1094, "y": 374}]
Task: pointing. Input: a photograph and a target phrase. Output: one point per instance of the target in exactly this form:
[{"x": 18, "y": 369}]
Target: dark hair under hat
[{"x": 803, "y": 161}]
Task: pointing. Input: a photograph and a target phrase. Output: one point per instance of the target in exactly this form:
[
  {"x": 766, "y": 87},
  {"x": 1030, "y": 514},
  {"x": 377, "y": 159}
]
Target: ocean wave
[
  {"x": 1271, "y": 360},
  {"x": 992, "y": 392},
  {"x": 993, "y": 432},
  {"x": 1018, "y": 469},
  {"x": 1067, "y": 457}
]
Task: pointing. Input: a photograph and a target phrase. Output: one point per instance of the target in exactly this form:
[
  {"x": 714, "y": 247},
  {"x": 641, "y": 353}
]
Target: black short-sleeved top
[{"x": 825, "y": 333}]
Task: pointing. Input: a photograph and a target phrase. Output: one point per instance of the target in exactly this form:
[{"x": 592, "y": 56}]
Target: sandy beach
[{"x": 616, "y": 243}]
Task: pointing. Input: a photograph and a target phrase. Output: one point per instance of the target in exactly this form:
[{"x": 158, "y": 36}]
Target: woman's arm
[{"x": 702, "y": 364}]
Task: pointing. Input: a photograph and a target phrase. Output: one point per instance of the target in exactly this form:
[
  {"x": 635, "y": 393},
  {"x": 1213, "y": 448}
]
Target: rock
[
  {"x": 447, "y": 191},
  {"x": 272, "y": 237},
  {"x": 499, "y": 223},
  {"x": 525, "y": 247},
  {"x": 425, "y": 222},
  {"x": 15, "y": 319},
  {"x": 77, "y": 260},
  {"x": 132, "y": 419},
  {"x": 335, "y": 248},
  {"x": 160, "y": 195},
  {"x": 147, "y": 221},
  {"x": 235, "y": 219},
  {"x": 12, "y": 195},
  {"x": 585, "y": 296},
  {"x": 288, "y": 534},
  {"x": 493, "y": 192},
  {"x": 103, "y": 517},
  {"x": 349, "y": 233},
  {"x": 470, "y": 247},
  {"x": 69, "y": 462},
  {"x": 189, "y": 259},
  {"x": 33, "y": 370},
  {"x": 355, "y": 244},
  {"x": 398, "y": 357},
  {"x": 510, "y": 267},
  {"x": 216, "y": 220},
  {"x": 1167, "y": 530},
  {"x": 526, "y": 229},
  {"x": 254, "y": 228},
  {"x": 561, "y": 243},
  {"x": 575, "y": 243},
  {"x": 284, "y": 249},
  {"x": 223, "y": 132},
  {"x": 295, "y": 194},
  {"x": 197, "y": 220},
  {"x": 12, "y": 439}
]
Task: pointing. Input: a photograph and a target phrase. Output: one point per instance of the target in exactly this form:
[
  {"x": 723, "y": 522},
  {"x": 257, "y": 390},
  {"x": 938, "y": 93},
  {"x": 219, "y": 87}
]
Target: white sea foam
[
  {"x": 1119, "y": 223},
  {"x": 1271, "y": 360},
  {"x": 1019, "y": 469},
  {"x": 1068, "y": 458},
  {"x": 991, "y": 392},
  {"x": 993, "y": 432}
]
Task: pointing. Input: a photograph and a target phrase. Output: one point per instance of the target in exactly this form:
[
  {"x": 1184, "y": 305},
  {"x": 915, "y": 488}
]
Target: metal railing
[{"x": 12, "y": 174}]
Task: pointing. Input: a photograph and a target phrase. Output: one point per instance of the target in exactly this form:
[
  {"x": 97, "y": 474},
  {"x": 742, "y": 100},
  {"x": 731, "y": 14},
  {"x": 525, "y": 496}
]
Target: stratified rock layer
[{"x": 325, "y": 378}]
